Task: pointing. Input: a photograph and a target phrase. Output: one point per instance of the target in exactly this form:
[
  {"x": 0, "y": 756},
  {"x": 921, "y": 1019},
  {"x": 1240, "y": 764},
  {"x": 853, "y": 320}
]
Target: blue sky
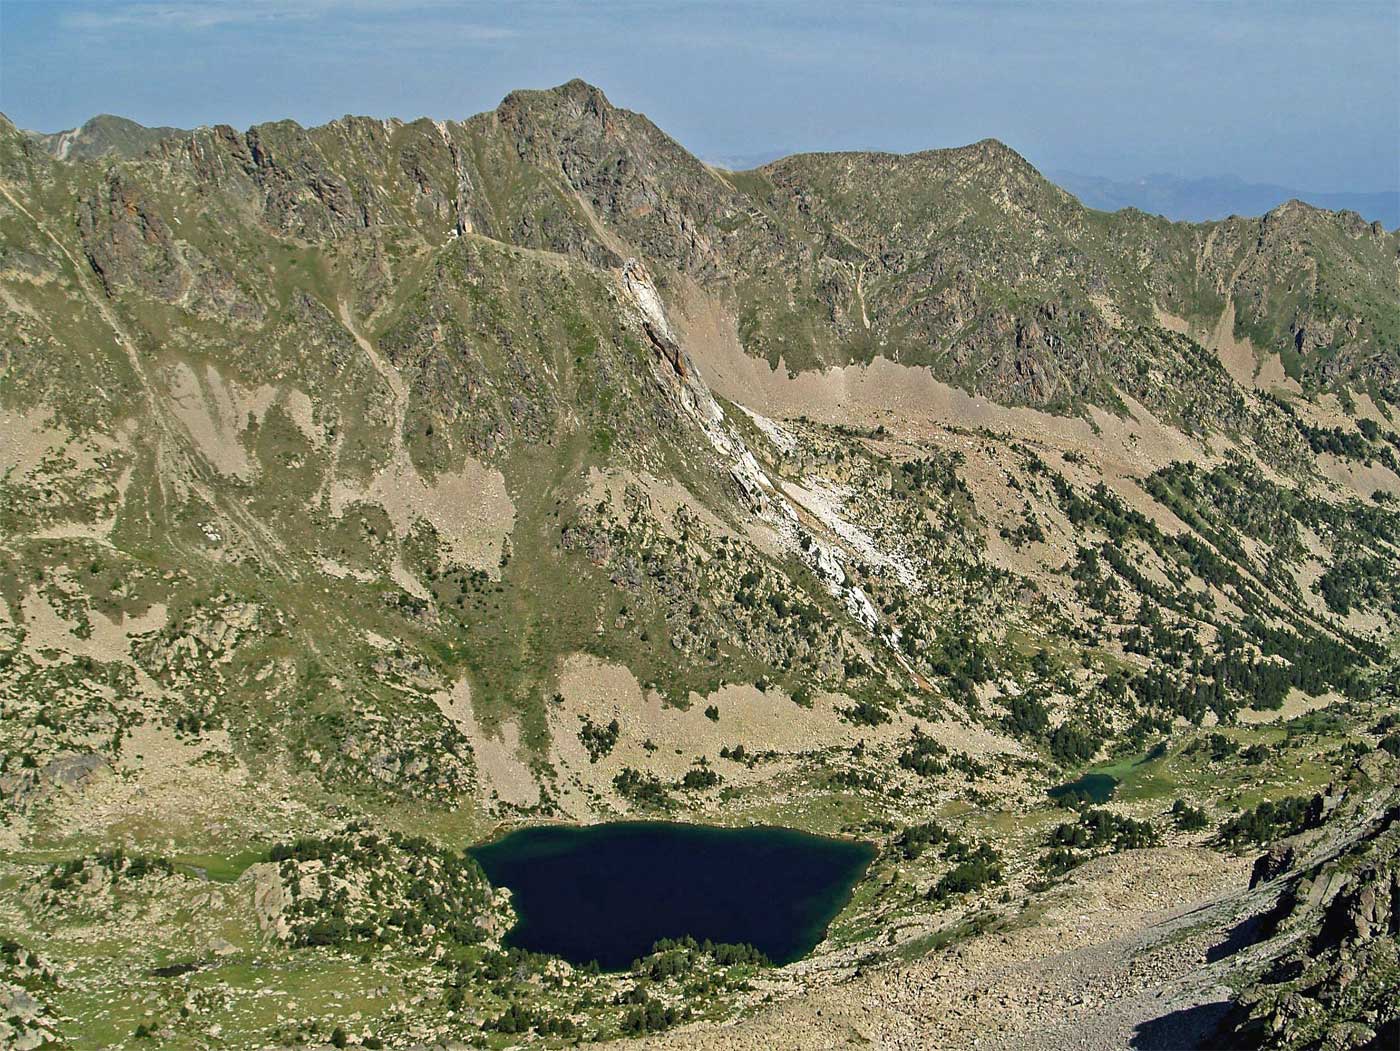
[{"x": 1305, "y": 94}]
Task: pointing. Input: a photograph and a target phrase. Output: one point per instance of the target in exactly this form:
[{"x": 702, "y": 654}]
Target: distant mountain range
[{"x": 1217, "y": 197}]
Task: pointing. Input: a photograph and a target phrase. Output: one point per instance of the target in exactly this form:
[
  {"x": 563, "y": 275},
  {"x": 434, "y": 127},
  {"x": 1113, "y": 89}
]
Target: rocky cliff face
[{"x": 1336, "y": 966}]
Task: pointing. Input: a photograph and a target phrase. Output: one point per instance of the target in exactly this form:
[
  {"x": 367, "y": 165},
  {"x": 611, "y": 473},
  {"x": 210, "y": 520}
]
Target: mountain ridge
[{"x": 106, "y": 134}]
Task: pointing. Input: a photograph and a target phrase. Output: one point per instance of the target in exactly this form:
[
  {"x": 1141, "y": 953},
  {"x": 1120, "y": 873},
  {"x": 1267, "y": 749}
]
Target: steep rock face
[
  {"x": 628, "y": 174},
  {"x": 966, "y": 260},
  {"x": 1368, "y": 908},
  {"x": 130, "y": 245},
  {"x": 990, "y": 264},
  {"x": 303, "y": 195},
  {"x": 1333, "y": 984},
  {"x": 1318, "y": 287}
]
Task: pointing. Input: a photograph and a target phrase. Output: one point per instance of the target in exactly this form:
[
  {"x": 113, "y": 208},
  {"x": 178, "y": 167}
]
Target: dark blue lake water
[
  {"x": 608, "y": 892},
  {"x": 1091, "y": 788}
]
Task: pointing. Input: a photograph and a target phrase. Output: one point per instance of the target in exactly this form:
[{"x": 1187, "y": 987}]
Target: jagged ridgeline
[{"x": 365, "y": 485}]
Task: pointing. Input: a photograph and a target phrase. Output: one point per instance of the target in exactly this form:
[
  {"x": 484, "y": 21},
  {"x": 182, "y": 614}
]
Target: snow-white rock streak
[{"x": 767, "y": 501}]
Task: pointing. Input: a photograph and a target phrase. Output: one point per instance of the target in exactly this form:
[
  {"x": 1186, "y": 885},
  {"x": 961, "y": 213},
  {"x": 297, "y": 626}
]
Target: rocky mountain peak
[
  {"x": 559, "y": 107},
  {"x": 994, "y": 151}
]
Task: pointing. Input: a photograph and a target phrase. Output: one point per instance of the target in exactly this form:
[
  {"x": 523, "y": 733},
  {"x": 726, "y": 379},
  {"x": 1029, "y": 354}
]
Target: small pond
[
  {"x": 1091, "y": 788},
  {"x": 608, "y": 892}
]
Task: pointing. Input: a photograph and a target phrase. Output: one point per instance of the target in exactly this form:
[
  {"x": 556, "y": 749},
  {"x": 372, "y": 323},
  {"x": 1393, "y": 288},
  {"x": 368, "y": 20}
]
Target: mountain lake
[{"x": 608, "y": 892}]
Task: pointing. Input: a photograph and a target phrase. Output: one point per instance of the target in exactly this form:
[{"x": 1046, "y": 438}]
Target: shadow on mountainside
[
  {"x": 1190, "y": 1029},
  {"x": 1250, "y": 931}
]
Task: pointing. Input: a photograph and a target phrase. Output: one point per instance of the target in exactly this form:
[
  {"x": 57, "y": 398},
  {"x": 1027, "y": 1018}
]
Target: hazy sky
[{"x": 1306, "y": 94}]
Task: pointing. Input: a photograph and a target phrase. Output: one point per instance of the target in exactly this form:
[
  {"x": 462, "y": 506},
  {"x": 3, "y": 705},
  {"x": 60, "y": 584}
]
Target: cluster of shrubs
[
  {"x": 927, "y": 758},
  {"x": 643, "y": 789},
  {"x": 1100, "y": 828},
  {"x": 1144, "y": 726},
  {"x": 119, "y": 865},
  {"x": 195, "y": 723},
  {"x": 916, "y": 839},
  {"x": 1073, "y": 745},
  {"x": 1217, "y": 747},
  {"x": 647, "y": 1015},
  {"x": 1070, "y": 743},
  {"x": 646, "y": 789},
  {"x": 975, "y": 867},
  {"x": 937, "y": 473},
  {"x": 1349, "y": 445},
  {"x": 1367, "y": 581},
  {"x": 409, "y": 885},
  {"x": 598, "y": 740},
  {"x": 924, "y": 756},
  {"x": 520, "y": 1019},
  {"x": 1029, "y": 531},
  {"x": 699, "y": 778},
  {"x": 855, "y": 779},
  {"x": 1026, "y": 716},
  {"x": 1095, "y": 831},
  {"x": 866, "y": 713},
  {"x": 738, "y": 753},
  {"x": 501, "y": 972},
  {"x": 1267, "y": 822},
  {"x": 677, "y": 957},
  {"x": 1188, "y": 818}
]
